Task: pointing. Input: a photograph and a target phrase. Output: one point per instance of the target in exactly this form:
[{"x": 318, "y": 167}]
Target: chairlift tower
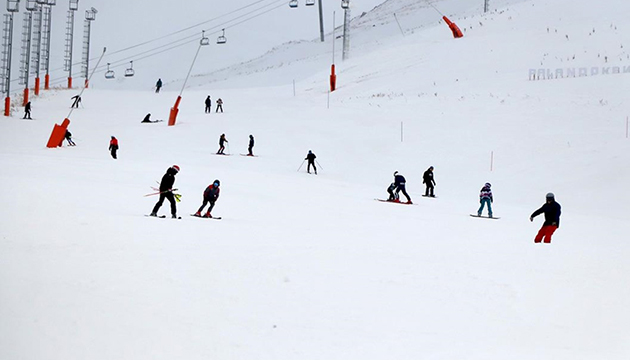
[
  {"x": 67, "y": 65},
  {"x": 7, "y": 46},
  {"x": 90, "y": 15},
  {"x": 36, "y": 42},
  {"x": 345, "y": 4},
  {"x": 294, "y": 4},
  {"x": 486, "y": 6},
  {"x": 46, "y": 30},
  {"x": 27, "y": 30}
]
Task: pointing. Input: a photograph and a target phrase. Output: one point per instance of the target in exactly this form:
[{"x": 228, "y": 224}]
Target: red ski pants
[{"x": 545, "y": 233}]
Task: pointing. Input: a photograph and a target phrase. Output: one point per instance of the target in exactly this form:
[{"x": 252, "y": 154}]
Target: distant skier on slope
[
  {"x": 552, "y": 211},
  {"x": 166, "y": 191},
  {"x": 251, "y": 146},
  {"x": 222, "y": 141},
  {"x": 76, "y": 102},
  {"x": 68, "y": 137},
  {"x": 485, "y": 198},
  {"x": 27, "y": 111},
  {"x": 427, "y": 178},
  {"x": 208, "y": 105},
  {"x": 400, "y": 182},
  {"x": 113, "y": 146},
  {"x": 392, "y": 196},
  {"x": 210, "y": 196},
  {"x": 311, "y": 162},
  {"x": 219, "y": 105},
  {"x": 158, "y": 86}
]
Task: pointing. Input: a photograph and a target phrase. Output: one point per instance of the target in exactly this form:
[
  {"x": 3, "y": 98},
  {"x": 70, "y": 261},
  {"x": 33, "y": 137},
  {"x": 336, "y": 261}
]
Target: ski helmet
[
  {"x": 395, "y": 172},
  {"x": 550, "y": 196},
  {"x": 488, "y": 185},
  {"x": 216, "y": 182},
  {"x": 176, "y": 168}
]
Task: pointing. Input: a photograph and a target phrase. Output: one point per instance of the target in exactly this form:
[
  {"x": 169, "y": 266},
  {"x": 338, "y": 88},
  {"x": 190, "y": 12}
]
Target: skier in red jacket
[
  {"x": 113, "y": 146},
  {"x": 210, "y": 195}
]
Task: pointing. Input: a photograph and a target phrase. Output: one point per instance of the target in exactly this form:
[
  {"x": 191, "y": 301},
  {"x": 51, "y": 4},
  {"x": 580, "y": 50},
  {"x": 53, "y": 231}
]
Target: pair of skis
[{"x": 405, "y": 203}]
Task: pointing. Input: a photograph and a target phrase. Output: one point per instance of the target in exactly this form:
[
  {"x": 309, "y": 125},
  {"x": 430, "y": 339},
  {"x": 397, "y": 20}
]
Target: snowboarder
[
  {"x": 311, "y": 161},
  {"x": 27, "y": 111},
  {"x": 552, "y": 219},
  {"x": 77, "y": 101},
  {"x": 166, "y": 191},
  {"x": 251, "y": 146},
  {"x": 219, "y": 105},
  {"x": 147, "y": 119},
  {"x": 113, "y": 146},
  {"x": 392, "y": 196},
  {"x": 222, "y": 141},
  {"x": 428, "y": 180},
  {"x": 485, "y": 197},
  {"x": 69, "y": 138},
  {"x": 400, "y": 181},
  {"x": 158, "y": 86},
  {"x": 208, "y": 105},
  {"x": 210, "y": 196}
]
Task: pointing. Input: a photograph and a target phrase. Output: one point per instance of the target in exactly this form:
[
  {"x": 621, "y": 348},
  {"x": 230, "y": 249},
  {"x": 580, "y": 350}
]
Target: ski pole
[
  {"x": 301, "y": 165},
  {"x": 318, "y": 164},
  {"x": 228, "y": 144}
]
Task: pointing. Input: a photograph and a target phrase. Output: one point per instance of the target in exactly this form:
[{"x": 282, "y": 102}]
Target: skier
[
  {"x": 208, "y": 105},
  {"x": 428, "y": 180},
  {"x": 77, "y": 101},
  {"x": 166, "y": 191},
  {"x": 113, "y": 146},
  {"x": 485, "y": 197},
  {"x": 210, "y": 196},
  {"x": 219, "y": 105},
  {"x": 27, "y": 111},
  {"x": 311, "y": 161},
  {"x": 147, "y": 119},
  {"x": 69, "y": 138},
  {"x": 251, "y": 145},
  {"x": 400, "y": 181},
  {"x": 552, "y": 219},
  {"x": 222, "y": 141},
  {"x": 158, "y": 86},
  {"x": 392, "y": 196}
]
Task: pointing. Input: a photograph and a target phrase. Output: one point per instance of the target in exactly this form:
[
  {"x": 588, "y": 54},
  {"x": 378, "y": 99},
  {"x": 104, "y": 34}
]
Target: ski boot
[
  {"x": 207, "y": 215},
  {"x": 198, "y": 214},
  {"x": 153, "y": 214}
]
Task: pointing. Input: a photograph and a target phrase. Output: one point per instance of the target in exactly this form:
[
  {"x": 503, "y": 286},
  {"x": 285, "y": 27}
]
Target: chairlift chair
[
  {"x": 293, "y": 3},
  {"x": 310, "y": 2},
  {"x": 109, "y": 74},
  {"x": 129, "y": 72},
  {"x": 222, "y": 39},
  {"x": 345, "y": 4},
  {"x": 204, "y": 39}
]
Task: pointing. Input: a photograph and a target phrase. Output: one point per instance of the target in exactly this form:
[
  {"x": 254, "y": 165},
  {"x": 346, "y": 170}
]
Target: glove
[
  {"x": 178, "y": 197},
  {"x": 531, "y": 218}
]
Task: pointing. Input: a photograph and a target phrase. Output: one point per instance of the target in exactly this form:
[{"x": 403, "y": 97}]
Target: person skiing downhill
[
  {"x": 76, "y": 102},
  {"x": 392, "y": 196},
  {"x": 166, "y": 191},
  {"x": 311, "y": 161},
  {"x": 210, "y": 196},
  {"x": 68, "y": 137},
  {"x": 113, "y": 146},
  {"x": 222, "y": 141},
  {"x": 208, "y": 103},
  {"x": 27, "y": 111},
  {"x": 427, "y": 178},
  {"x": 400, "y": 181},
  {"x": 552, "y": 211},
  {"x": 158, "y": 86},
  {"x": 219, "y": 105},
  {"x": 251, "y": 146},
  {"x": 485, "y": 197}
]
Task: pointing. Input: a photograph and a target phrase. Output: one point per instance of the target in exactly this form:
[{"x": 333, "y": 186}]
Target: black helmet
[
  {"x": 550, "y": 196},
  {"x": 216, "y": 183}
]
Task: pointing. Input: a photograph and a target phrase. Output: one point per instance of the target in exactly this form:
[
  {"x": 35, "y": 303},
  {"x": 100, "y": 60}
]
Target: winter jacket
[
  {"x": 211, "y": 193},
  {"x": 486, "y": 193},
  {"x": 222, "y": 140},
  {"x": 208, "y": 101},
  {"x": 113, "y": 144},
  {"x": 68, "y": 134},
  {"x": 168, "y": 180},
  {"x": 391, "y": 187},
  {"x": 428, "y": 177},
  {"x": 399, "y": 180},
  {"x": 251, "y": 141},
  {"x": 310, "y": 157},
  {"x": 552, "y": 213},
  {"x": 147, "y": 119}
]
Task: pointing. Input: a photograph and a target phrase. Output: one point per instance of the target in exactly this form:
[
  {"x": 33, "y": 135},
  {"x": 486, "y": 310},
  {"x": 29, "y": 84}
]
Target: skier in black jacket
[
  {"x": 210, "y": 195},
  {"x": 251, "y": 145},
  {"x": 27, "y": 111},
  {"x": 208, "y": 105},
  {"x": 400, "y": 182},
  {"x": 311, "y": 161},
  {"x": 222, "y": 141},
  {"x": 427, "y": 178},
  {"x": 552, "y": 211},
  {"x": 166, "y": 191}
]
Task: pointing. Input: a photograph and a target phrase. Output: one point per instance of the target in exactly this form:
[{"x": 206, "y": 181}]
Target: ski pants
[
  {"x": 206, "y": 202},
  {"x": 221, "y": 149},
  {"x": 545, "y": 233},
  {"x": 308, "y": 168},
  {"x": 249, "y": 149},
  {"x": 483, "y": 202},
  {"x": 114, "y": 153},
  {"x": 166, "y": 195},
  {"x": 208, "y": 109},
  {"x": 401, "y": 188},
  {"x": 219, "y": 107},
  {"x": 392, "y": 196},
  {"x": 27, "y": 114},
  {"x": 429, "y": 190}
]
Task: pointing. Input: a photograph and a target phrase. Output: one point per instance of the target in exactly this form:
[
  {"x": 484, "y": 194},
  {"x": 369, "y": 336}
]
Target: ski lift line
[
  {"x": 195, "y": 36},
  {"x": 88, "y": 80},
  {"x": 436, "y": 9}
]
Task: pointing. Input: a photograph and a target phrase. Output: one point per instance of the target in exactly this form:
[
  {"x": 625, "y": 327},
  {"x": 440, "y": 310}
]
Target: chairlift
[
  {"x": 129, "y": 72},
  {"x": 204, "y": 39},
  {"x": 345, "y": 4},
  {"x": 110, "y": 73},
  {"x": 293, "y": 3},
  {"x": 310, "y": 2},
  {"x": 222, "y": 39}
]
